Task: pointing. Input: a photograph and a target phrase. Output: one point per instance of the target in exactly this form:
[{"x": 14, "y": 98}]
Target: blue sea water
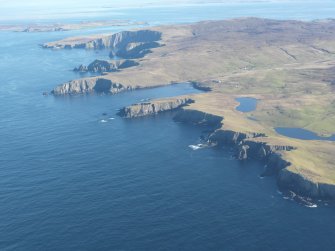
[{"x": 72, "y": 178}]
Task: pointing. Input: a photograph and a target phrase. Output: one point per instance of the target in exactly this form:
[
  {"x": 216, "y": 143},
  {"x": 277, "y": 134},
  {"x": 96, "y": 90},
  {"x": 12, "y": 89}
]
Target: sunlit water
[{"x": 72, "y": 178}]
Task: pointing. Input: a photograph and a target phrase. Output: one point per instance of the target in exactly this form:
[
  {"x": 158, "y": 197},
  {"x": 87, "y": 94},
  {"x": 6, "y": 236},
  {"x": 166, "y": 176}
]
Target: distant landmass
[{"x": 35, "y": 27}]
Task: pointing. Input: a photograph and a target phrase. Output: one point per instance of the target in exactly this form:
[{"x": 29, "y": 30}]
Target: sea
[{"x": 75, "y": 176}]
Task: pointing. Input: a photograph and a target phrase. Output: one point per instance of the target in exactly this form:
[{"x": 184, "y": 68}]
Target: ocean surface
[{"x": 72, "y": 178}]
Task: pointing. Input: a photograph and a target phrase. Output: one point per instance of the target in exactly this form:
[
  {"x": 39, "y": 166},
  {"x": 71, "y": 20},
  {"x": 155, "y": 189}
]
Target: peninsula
[{"x": 288, "y": 66}]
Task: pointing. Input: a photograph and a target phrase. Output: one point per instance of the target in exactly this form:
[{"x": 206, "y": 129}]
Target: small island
[{"x": 288, "y": 66}]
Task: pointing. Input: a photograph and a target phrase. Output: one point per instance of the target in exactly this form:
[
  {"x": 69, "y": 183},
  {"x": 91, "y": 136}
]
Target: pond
[
  {"x": 300, "y": 133},
  {"x": 247, "y": 104}
]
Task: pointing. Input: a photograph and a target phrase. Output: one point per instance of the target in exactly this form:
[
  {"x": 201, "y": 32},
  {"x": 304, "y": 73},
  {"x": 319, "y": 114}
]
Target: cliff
[
  {"x": 154, "y": 107},
  {"x": 198, "y": 118},
  {"x": 126, "y": 44},
  {"x": 251, "y": 146},
  {"x": 288, "y": 179},
  {"x": 90, "y": 85},
  {"x": 106, "y": 66},
  {"x": 135, "y": 50}
]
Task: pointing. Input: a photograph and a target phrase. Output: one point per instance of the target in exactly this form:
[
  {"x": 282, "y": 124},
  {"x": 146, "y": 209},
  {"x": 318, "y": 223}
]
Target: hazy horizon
[{"x": 36, "y": 10}]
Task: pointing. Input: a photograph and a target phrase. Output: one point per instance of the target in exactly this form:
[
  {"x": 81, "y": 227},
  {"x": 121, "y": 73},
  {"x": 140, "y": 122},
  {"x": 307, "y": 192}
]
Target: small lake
[
  {"x": 300, "y": 133},
  {"x": 247, "y": 104}
]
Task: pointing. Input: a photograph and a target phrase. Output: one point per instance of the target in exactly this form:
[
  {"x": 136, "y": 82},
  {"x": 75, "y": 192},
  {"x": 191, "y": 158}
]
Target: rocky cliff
[
  {"x": 106, "y": 66},
  {"x": 293, "y": 181},
  {"x": 135, "y": 50},
  {"x": 90, "y": 85},
  {"x": 154, "y": 107},
  {"x": 247, "y": 147},
  {"x": 127, "y": 44},
  {"x": 198, "y": 118}
]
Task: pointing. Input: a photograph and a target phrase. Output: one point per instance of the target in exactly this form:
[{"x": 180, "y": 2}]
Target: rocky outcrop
[
  {"x": 90, "y": 85},
  {"x": 154, "y": 107},
  {"x": 126, "y": 44},
  {"x": 106, "y": 66}
]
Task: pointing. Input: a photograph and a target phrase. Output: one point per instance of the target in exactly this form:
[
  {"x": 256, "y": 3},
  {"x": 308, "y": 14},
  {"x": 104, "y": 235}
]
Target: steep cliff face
[
  {"x": 198, "y": 118},
  {"x": 246, "y": 145},
  {"x": 106, "y": 66},
  {"x": 129, "y": 44},
  {"x": 135, "y": 50},
  {"x": 296, "y": 182},
  {"x": 228, "y": 137},
  {"x": 246, "y": 148},
  {"x": 98, "y": 85},
  {"x": 152, "y": 108}
]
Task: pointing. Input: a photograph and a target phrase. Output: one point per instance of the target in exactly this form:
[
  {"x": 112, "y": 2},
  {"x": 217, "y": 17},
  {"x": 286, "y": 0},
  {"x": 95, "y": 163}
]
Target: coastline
[
  {"x": 272, "y": 66},
  {"x": 298, "y": 187}
]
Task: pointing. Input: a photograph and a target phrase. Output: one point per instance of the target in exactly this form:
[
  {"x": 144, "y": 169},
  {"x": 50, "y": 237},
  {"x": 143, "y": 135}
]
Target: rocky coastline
[{"x": 246, "y": 146}]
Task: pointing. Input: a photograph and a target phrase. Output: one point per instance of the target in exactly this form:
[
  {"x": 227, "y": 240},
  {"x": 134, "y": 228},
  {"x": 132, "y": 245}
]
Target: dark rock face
[
  {"x": 152, "y": 108},
  {"x": 106, "y": 66},
  {"x": 103, "y": 86},
  {"x": 228, "y": 137},
  {"x": 135, "y": 50},
  {"x": 294, "y": 182},
  {"x": 198, "y": 118},
  {"x": 248, "y": 149}
]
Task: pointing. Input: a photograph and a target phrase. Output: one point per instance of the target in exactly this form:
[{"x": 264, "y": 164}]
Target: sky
[
  {"x": 118, "y": 3},
  {"x": 11, "y": 10}
]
